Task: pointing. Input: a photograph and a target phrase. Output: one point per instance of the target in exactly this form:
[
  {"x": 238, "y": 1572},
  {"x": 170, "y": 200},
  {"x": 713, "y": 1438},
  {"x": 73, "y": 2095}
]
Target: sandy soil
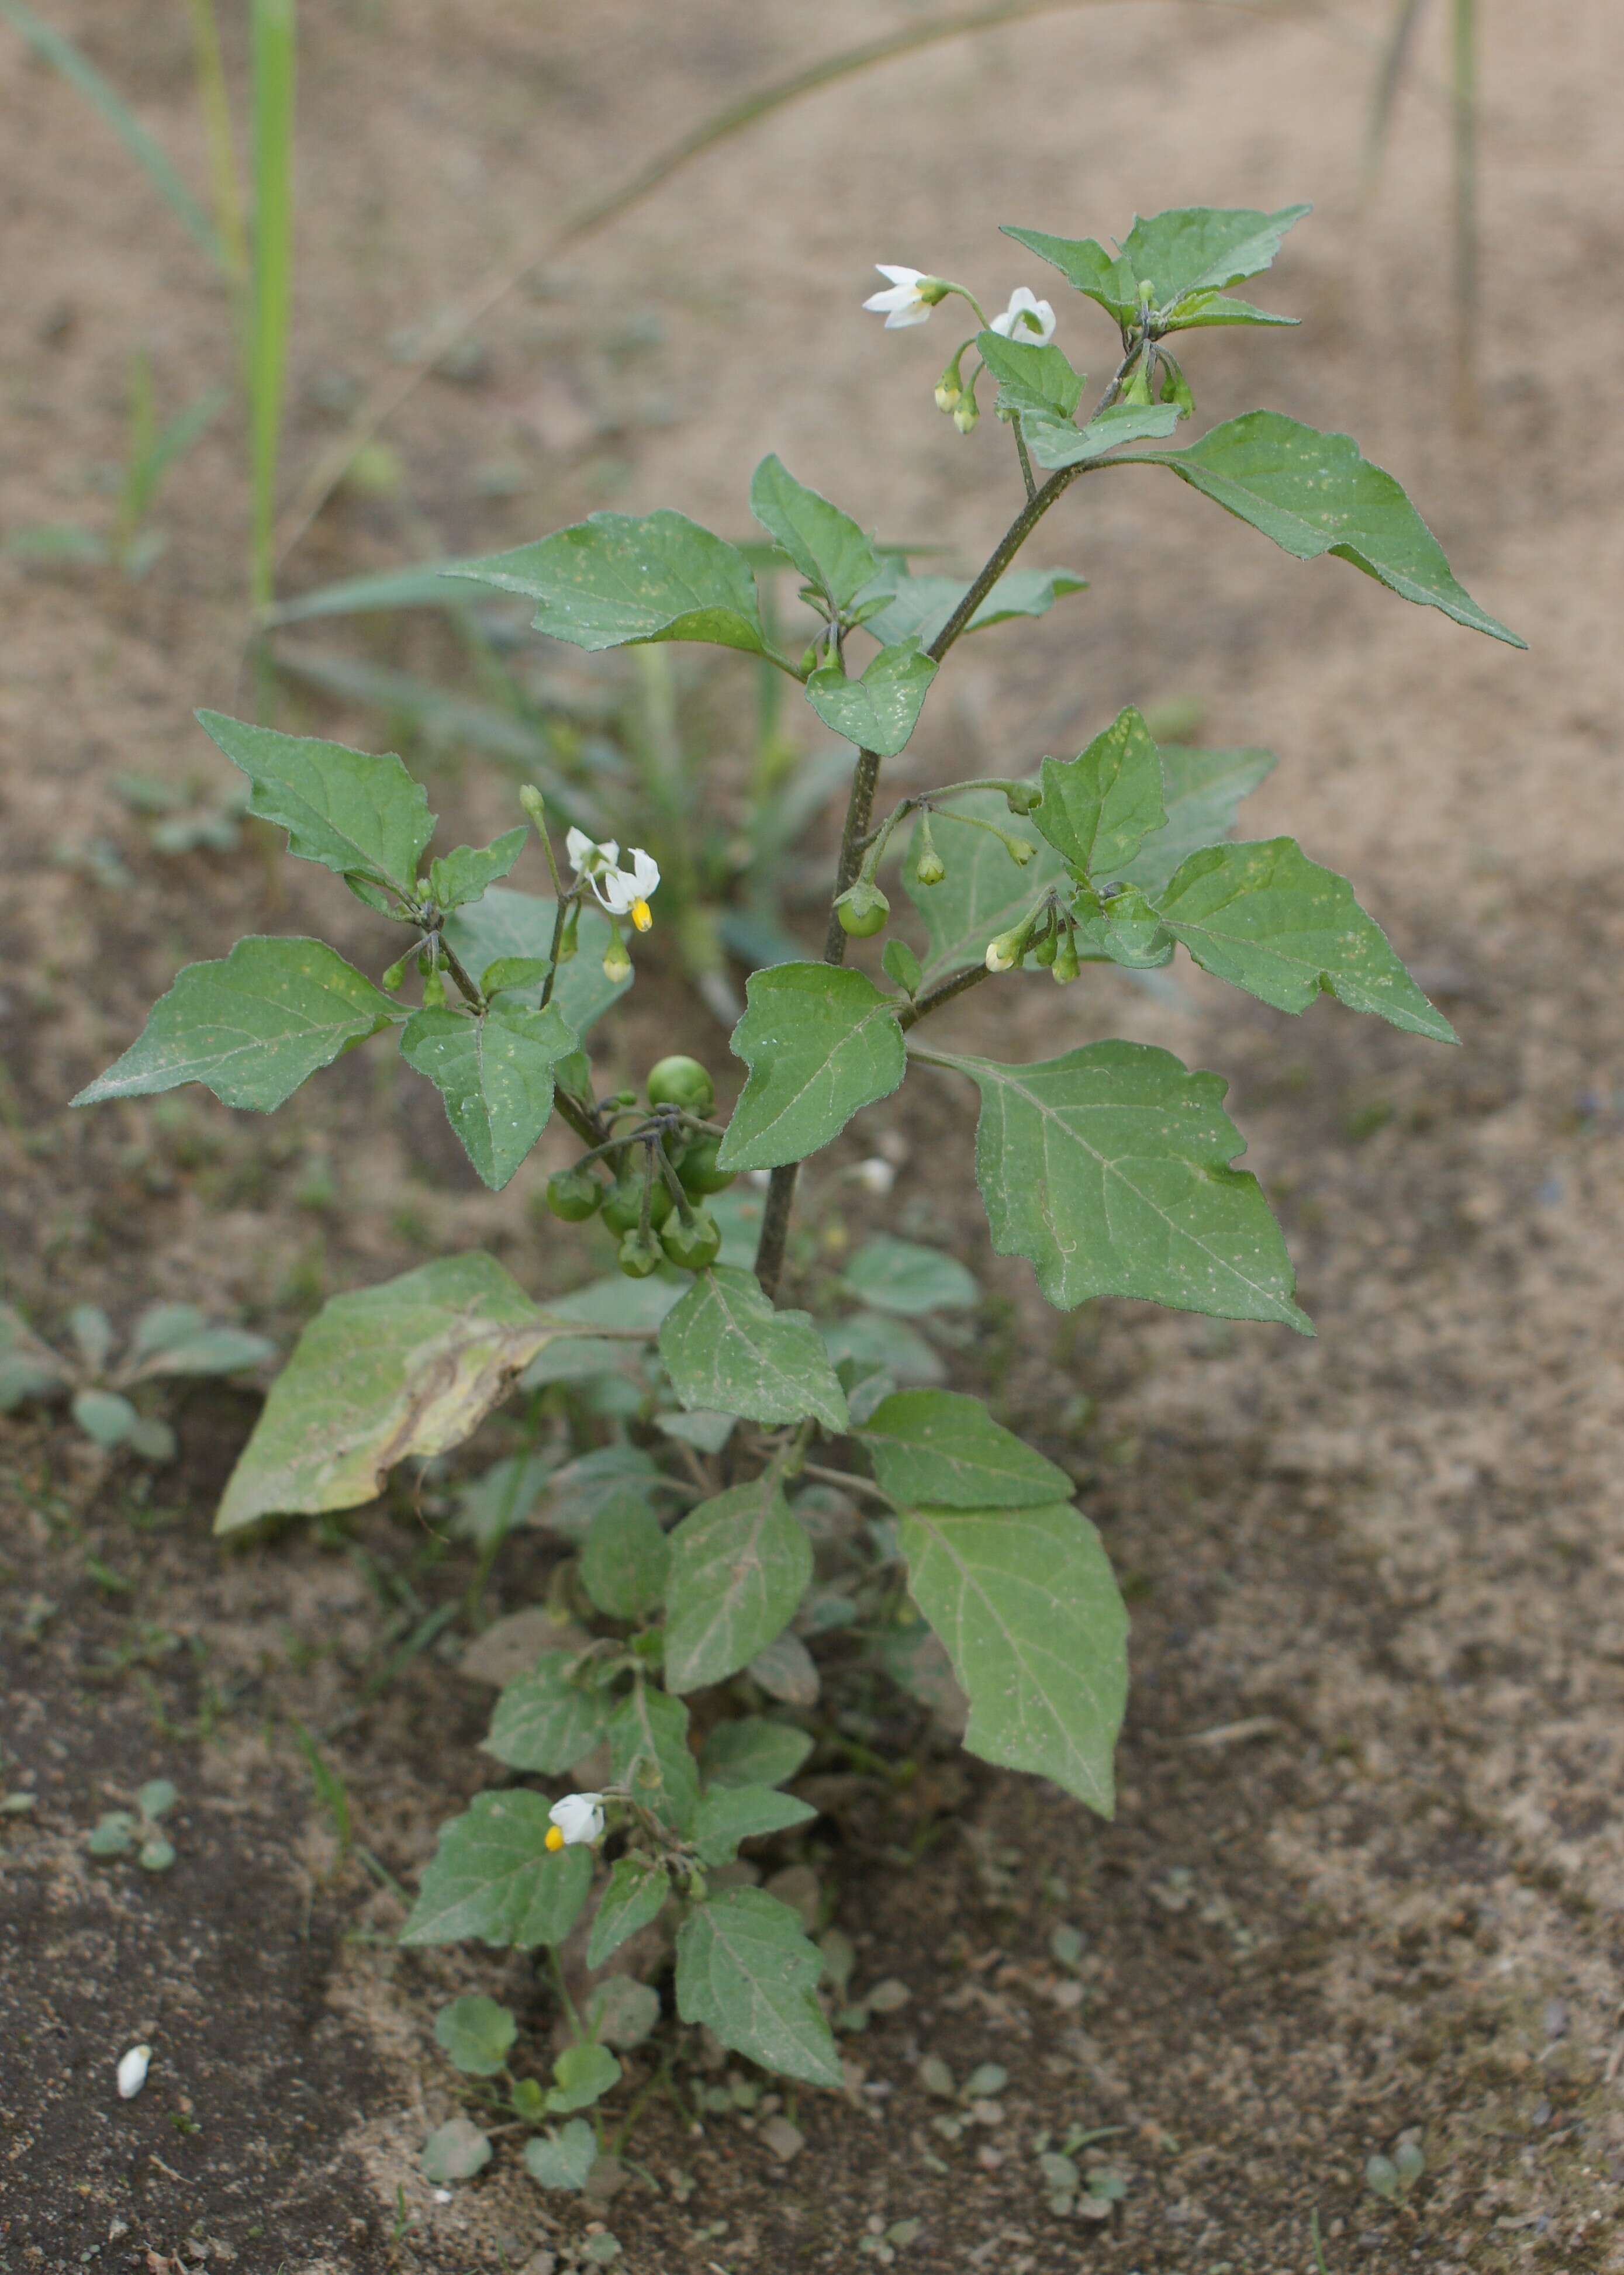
[{"x": 1367, "y": 1875}]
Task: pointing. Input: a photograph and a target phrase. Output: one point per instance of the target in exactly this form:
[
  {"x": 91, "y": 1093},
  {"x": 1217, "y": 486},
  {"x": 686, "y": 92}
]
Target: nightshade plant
[{"x": 1107, "y": 1167}]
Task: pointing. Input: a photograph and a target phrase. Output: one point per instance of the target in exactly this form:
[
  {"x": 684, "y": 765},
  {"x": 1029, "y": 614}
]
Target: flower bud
[
  {"x": 535, "y": 806},
  {"x": 1022, "y": 798},
  {"x": 395, "y": 976},
  {"x": 948, "y": 391},
  {"x": 1065, "y": 967},
  {"x": 967, "y": 412},
  {"x": 1043, "y": 951},
  {"x": 931, "y": 869},
  {"x": 1004, "y": 953},
  {"x": 434, "y": 990},
  {"x": 1020, "y": 850},
  {"x": 616, "y": 962}
]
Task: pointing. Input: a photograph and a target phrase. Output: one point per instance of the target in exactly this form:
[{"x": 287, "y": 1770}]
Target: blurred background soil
[{"x": 1367, "y": 1876}]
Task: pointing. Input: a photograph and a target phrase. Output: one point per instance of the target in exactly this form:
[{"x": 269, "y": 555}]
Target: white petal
[
  {"x": 900, "y": 276},
  {"x": 897, "y": 296},
  {"x": 644, "y": 871},
  {"x": 577, "y": 845},
  {"x": 578, "y": 1817},
  {"x": 917, "y": 312},
  {"x": 1002, "y": 325},
  {"x": 133, "y": 2072}
]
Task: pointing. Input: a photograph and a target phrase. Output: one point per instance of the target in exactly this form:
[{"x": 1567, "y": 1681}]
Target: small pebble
[{"x": 133, "y": 2072}]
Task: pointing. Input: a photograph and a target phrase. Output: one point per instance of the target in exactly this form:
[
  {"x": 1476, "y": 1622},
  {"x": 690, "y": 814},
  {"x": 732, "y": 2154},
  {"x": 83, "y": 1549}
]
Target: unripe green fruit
[
  {"x": 694, "y": 1245},
  {"x": 697, "y": 1168},
  {"x": 623, "y": 1211},
  {"x": 861, "y": 910},
  {"x": 684, "y": 1082},
  {"x": 574, "y": 1195},
  {"x": 640, "y": 1253}
]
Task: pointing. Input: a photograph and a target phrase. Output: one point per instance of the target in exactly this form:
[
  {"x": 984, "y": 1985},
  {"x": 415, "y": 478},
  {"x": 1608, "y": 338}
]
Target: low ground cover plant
[{"x": 760, "y": 1514}]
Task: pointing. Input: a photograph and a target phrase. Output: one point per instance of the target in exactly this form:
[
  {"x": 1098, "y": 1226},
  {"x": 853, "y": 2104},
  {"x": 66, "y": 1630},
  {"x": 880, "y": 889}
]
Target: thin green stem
[
  {"x": 1027, "y": 475},
  {"x": 571, "y": 2014},
  {"x": 216, "y": 108}
]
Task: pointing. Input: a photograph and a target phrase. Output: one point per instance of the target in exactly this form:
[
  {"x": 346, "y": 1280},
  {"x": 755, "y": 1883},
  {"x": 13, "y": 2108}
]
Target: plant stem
[
  {"x": 1027, "y": 475},
  {"x": 935, "y": 997}
]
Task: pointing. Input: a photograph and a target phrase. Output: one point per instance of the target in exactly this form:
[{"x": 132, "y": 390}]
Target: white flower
[
  {"x": 904, "y": 303},
  {"x": 133, "y": 2072},
  {"x": 588, "y": 858},
  {"x": 1026, "y": 318},
  {"x": 578, "y": 1817},
  {"x": 627, "y": 892}
]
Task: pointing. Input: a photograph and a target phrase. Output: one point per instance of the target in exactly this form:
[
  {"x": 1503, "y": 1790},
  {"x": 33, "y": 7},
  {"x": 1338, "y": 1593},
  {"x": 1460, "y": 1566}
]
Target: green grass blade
[
  {"x": 275, "y": 41},
  {"x": 58, "y": 50},
  {"x": 1389, "y": 79},
  {"x": 217, "y": 110}
]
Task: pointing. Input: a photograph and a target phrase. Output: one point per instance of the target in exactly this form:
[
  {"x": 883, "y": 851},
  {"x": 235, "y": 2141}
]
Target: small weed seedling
[
  {"x": 167, "y": 1340},
  {"x": 770, "y": 1524},
  {"x": 139, "y": 1831}
]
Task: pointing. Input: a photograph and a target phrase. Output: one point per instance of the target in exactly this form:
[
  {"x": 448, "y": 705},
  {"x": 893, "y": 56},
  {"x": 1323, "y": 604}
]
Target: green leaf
[
  {"x": 825, "y": 544},
  {"x": 740, "y": 1565},
  {"x": 250, "y": 1027},
  {"x": 1099, "y": 807},
  {"x": 745, "y": 1970},
  {"x": 1107, "y": 1170},
  {"x": 1084, "y": 262},
  {"x": 787, "y": 1670},
  {"x": 622, "y": 2012},
  {"x": 728, "y": 1351},
  {"x": 871, "y": 1340},
  {"x": 939, "y": 1447},
  {"x": 1126, "y": 928},
  {"x": 633, "y": 1900},
  {"x": 508, "y": 925},
  {"x": 411, "y": 1366},
  {"x": 878, "y": 712},
  {"x": 1203, "y": 311},
  {"x": 901, "y": 964},
  {"x": 899, "y": 1275},
  {"x": 563, "y": 2159},
  {"x": 495, "y": 1070},
  {"x": 353, "y": 812},
  {"x": 465, "y": 873},
  {"x": 1265, "y": 918},
  {"x": 624, "y": 1561},
  {"x": 616, "y": 581},
  {"x": 1025, "y": 1602},
  {"x": 1054, "y": 445},
  {"x": 820, "y": 1043},
  {"x": 454, "y": 2150},
  {"x": 105, "y": 1416},
  {"x": 584, "y": 2074},
  {"x": 649, "y": 1752},
  {"x": 177, "y": 1338},
  {"x": 546, "y": 1721},
  {"x": 157, "y": 1798},
  {"x": 922, "y": 605},
  {"x": 513, "y": 972},
  {"x": 753, "y": 1751},
  {"x": 1203, "y": 790},
  {"x": 747, "y": 1812},
  {"x": 983, "y": 893},
  {"x": 476, "y": 2033},
  {"x": 1314, "y": 494},
  {"x": 1031, "y": 378},
  {"x": 1191, "y": 249},
  {"x": 114, "y": 1834},
  {"x": 493, "y": 1878},
  {"x": 607, "y": 1477}
]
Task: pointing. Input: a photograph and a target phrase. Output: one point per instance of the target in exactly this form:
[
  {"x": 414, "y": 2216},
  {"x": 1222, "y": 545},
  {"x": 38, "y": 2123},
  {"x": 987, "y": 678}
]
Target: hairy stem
[{"x": 934, "y": 998}]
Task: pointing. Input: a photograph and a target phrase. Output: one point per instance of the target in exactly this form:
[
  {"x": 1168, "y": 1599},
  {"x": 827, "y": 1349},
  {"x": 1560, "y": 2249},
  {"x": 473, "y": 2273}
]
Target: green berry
[
  {"x": 574, "y": 1195},
  {"x": 679, "y": 1081},
  {"x": 623, "y": 1211},
  {"x": 692, "y": 1245},
  {"x": 640, "y": 1253},
  {"x": 697, "y": 1168},
  {"x": 861, "y": 910}
]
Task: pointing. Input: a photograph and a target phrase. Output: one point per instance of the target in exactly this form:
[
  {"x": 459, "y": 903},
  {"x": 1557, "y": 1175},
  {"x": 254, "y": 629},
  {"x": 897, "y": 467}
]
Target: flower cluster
[{"x": 909, "y": 299}]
